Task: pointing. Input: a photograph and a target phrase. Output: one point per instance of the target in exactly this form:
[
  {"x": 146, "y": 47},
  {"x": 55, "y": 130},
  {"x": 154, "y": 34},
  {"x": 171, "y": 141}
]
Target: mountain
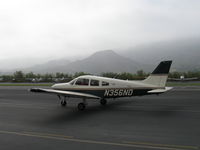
[
  {"x": 102, "y": 61},
  {"x": 185, "y": 53}
]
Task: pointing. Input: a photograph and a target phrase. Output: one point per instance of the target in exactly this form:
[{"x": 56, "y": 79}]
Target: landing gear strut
[
  {"x": 103, "y": 102},
  {"x": 63, "y": 102}
]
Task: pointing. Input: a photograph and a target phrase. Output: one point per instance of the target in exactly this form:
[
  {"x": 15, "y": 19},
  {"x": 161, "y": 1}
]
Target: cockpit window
[
  {"x": 94, "y": 83},
  {"x": 105, "y": 83},
  {"x": 82, "y": 81},
  {"x": 72, "y": 82}
]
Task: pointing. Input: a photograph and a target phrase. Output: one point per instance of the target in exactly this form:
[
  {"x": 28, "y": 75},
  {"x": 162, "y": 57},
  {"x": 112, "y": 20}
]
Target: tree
[
  {"x": 30, "y": 75},
  {"x": 175, "y": 75},
  {"x": 140, "y": 73},
  {"x": 19, "y": 76},
  {"x": 48, "y": 77},
  {"x": 77, "y": 74},
  {"x": 7, "y": 78},
  {"x": 126, "y": 76},
  {"x": 109, "y": 74}
]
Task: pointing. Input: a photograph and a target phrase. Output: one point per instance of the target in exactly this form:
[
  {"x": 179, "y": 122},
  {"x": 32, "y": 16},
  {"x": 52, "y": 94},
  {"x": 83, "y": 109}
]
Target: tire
[
  {"x": 81, "y": 106},
  {"x": 63, "y": 103},
  {"x": 103, "y": 102}
]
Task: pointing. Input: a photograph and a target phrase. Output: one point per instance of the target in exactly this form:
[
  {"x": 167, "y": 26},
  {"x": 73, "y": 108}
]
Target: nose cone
[{"x": 55, "y": 86}]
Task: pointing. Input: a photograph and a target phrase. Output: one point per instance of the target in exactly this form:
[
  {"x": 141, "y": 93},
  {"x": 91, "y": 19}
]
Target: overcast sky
[{"x": 65, "y": 28}]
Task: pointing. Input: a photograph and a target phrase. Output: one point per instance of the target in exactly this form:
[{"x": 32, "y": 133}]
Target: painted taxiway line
[
  {"x": 49, "y": 134},
  {"x": 121, "y": 144},
  {"x": 186, "y": 147},
  {"x": 22, "y": 106}
]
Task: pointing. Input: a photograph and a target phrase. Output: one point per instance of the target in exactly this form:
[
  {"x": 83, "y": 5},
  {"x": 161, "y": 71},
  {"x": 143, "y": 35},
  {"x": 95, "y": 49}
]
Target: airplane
[
  {"x": 182, "y": 78},
  {"x": 102, "y": 88}
]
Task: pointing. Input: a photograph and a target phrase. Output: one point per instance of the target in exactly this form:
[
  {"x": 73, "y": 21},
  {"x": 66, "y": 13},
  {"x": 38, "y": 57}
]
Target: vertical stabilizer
[{"x": 159, "y": 76}]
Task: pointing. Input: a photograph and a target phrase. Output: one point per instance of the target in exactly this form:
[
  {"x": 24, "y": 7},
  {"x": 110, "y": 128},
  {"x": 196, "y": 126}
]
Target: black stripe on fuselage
[{"x": 113, "y": 92}]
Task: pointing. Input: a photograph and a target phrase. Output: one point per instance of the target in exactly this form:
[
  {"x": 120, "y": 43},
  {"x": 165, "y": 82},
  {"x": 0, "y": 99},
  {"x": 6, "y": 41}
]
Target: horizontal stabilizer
[{"x": 157, "y": 91}]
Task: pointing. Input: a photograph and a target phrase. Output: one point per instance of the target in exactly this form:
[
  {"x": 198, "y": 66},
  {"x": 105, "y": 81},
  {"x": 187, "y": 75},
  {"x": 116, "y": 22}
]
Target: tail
[{"x": 159, "y": 76}]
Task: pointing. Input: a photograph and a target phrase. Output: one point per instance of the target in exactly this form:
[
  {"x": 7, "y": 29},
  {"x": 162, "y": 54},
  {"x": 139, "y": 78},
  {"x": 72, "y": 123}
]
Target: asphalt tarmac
[{"x": 37, "y": 121}]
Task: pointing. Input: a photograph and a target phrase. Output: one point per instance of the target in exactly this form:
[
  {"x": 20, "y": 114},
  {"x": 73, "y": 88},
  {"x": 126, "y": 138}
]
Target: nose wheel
[{"x": 63, "y": 103}]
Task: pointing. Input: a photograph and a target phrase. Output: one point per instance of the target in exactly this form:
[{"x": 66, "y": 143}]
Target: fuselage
[{"x": 105, "y": 87}]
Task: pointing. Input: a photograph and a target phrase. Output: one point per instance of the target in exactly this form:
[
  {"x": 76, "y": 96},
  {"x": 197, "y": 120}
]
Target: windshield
[{"x": 82, "y": 81}]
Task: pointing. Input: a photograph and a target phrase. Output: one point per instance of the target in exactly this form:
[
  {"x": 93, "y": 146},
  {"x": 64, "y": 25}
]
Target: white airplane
[
  {"x": 182, "y": 78},
  {"x": 101, "y": 88}
]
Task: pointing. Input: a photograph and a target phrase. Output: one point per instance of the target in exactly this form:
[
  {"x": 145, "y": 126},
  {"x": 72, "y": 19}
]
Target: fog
[{"x": 36, "y": 31}]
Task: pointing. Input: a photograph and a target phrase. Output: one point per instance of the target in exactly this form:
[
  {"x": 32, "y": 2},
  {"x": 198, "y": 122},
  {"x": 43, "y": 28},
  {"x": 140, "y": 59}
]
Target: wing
[
  {"x": 189, "y": 79},
  {"x": 157, "y": 91},
  {"x": 185, "y": 79},
  {"x": 64, "y": 93}
]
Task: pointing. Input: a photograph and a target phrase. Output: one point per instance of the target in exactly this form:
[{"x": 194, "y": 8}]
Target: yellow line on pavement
[
  {"x": 70, "y": 138},
  {"x": 164, "y": 145},
  {"x": 47, "y": 134}
]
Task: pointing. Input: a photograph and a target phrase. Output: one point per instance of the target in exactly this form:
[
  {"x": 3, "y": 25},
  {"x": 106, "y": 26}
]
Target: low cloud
[{"x": 59, "y": 28}]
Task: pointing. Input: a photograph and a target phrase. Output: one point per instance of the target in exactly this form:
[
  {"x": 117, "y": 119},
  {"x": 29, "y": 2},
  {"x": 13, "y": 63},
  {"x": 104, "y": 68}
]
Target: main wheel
[
  {"x": 63, "y": 103},
  {"x": 103, "y": 102},
  {"x": 81, "y": 106}
]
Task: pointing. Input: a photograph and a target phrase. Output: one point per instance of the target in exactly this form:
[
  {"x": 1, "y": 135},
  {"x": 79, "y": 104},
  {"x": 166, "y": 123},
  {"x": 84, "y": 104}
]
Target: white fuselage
[{"x": 105, "y": 87}]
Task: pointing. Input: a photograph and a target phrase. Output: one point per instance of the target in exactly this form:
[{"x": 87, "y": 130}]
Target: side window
[
  {"x": 82, "y": 81},
  {"x": 105, "y": 83},
  {"x": 94, "y": 83}
]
